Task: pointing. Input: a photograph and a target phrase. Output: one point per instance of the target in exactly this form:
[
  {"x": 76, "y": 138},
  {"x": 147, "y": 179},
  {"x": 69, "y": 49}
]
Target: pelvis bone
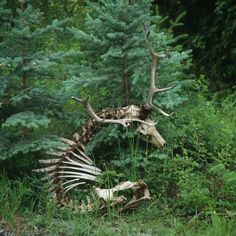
[{"x": 110, "y": 197}]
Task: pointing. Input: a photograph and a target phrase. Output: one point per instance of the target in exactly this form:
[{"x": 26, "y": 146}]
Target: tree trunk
[
  {"x": 25, "y": 101},
  {"x": 126, "y": 83}
]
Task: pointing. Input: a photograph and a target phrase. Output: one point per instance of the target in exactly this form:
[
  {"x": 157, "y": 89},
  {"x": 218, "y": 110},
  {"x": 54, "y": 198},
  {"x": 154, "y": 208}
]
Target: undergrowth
[
  {"x": 192, "y": 182},
  {"x": 25, "y": 212}
]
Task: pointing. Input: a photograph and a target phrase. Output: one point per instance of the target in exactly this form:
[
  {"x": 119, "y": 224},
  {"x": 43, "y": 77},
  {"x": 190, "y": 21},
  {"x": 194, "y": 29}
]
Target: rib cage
[{"x": 70, "y": 167}]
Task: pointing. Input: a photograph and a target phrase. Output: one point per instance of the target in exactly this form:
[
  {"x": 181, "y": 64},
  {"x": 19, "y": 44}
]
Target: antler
[
  {"x": 153, "y": 89},
  {"x": 125, "y": 121}
]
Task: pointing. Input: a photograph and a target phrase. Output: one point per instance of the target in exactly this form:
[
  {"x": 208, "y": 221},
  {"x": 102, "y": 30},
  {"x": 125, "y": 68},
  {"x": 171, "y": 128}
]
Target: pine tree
[
  {"x": 25, "y": 69},
  {"x": 119, "y": 62}
]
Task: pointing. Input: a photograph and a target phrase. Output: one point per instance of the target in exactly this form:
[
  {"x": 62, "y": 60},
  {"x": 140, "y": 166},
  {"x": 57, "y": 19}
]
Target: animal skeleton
[{"x": 72, "y": 167}]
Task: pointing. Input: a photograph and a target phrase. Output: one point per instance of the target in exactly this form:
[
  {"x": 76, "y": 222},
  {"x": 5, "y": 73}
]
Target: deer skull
[
  {"x": 150, "y": 134},
  {"x": 147, "y": 132}
]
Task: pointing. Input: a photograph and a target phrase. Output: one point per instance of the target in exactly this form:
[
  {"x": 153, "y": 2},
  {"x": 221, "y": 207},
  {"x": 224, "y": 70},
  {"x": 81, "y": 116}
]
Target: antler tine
[
  {"x": 88, "y": 107},
  {"x": 125, "y": 122},
  {"x": 153, "y": 89}
]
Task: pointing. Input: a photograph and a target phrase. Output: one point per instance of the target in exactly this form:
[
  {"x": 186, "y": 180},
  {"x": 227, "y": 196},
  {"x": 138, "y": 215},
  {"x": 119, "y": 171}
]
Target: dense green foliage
[
  {"x": 27, "y": 68},
  {"x": 117, "y": 57},
  {"x": 45, "y": 61}
]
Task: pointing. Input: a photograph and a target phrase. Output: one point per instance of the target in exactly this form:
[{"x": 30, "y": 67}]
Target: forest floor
[
  {"x": 140, "y": 222},
  {"x": 26, "y": 210}
]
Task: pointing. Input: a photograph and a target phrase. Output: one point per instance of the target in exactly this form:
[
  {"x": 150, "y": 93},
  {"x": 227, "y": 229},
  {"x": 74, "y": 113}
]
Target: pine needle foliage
[
  {"x": 116, "y": 67},
  {"x": 25, "y": 67},
  {"x": 118, "y": 62}
]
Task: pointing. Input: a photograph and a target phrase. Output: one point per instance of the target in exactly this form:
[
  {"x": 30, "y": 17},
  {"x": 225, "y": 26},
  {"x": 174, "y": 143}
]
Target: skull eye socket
[
  {"x": 142, "y": 131},
  {"x": 149, "y": 137}
]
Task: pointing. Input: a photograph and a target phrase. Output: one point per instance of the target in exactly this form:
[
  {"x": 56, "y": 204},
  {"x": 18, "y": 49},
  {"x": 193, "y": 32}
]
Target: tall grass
[{"x": 26, "y": 209}]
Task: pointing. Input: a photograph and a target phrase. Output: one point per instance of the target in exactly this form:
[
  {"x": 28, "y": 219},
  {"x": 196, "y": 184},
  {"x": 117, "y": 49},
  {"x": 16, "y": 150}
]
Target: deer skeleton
[{"x": 72, "y": 167}]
